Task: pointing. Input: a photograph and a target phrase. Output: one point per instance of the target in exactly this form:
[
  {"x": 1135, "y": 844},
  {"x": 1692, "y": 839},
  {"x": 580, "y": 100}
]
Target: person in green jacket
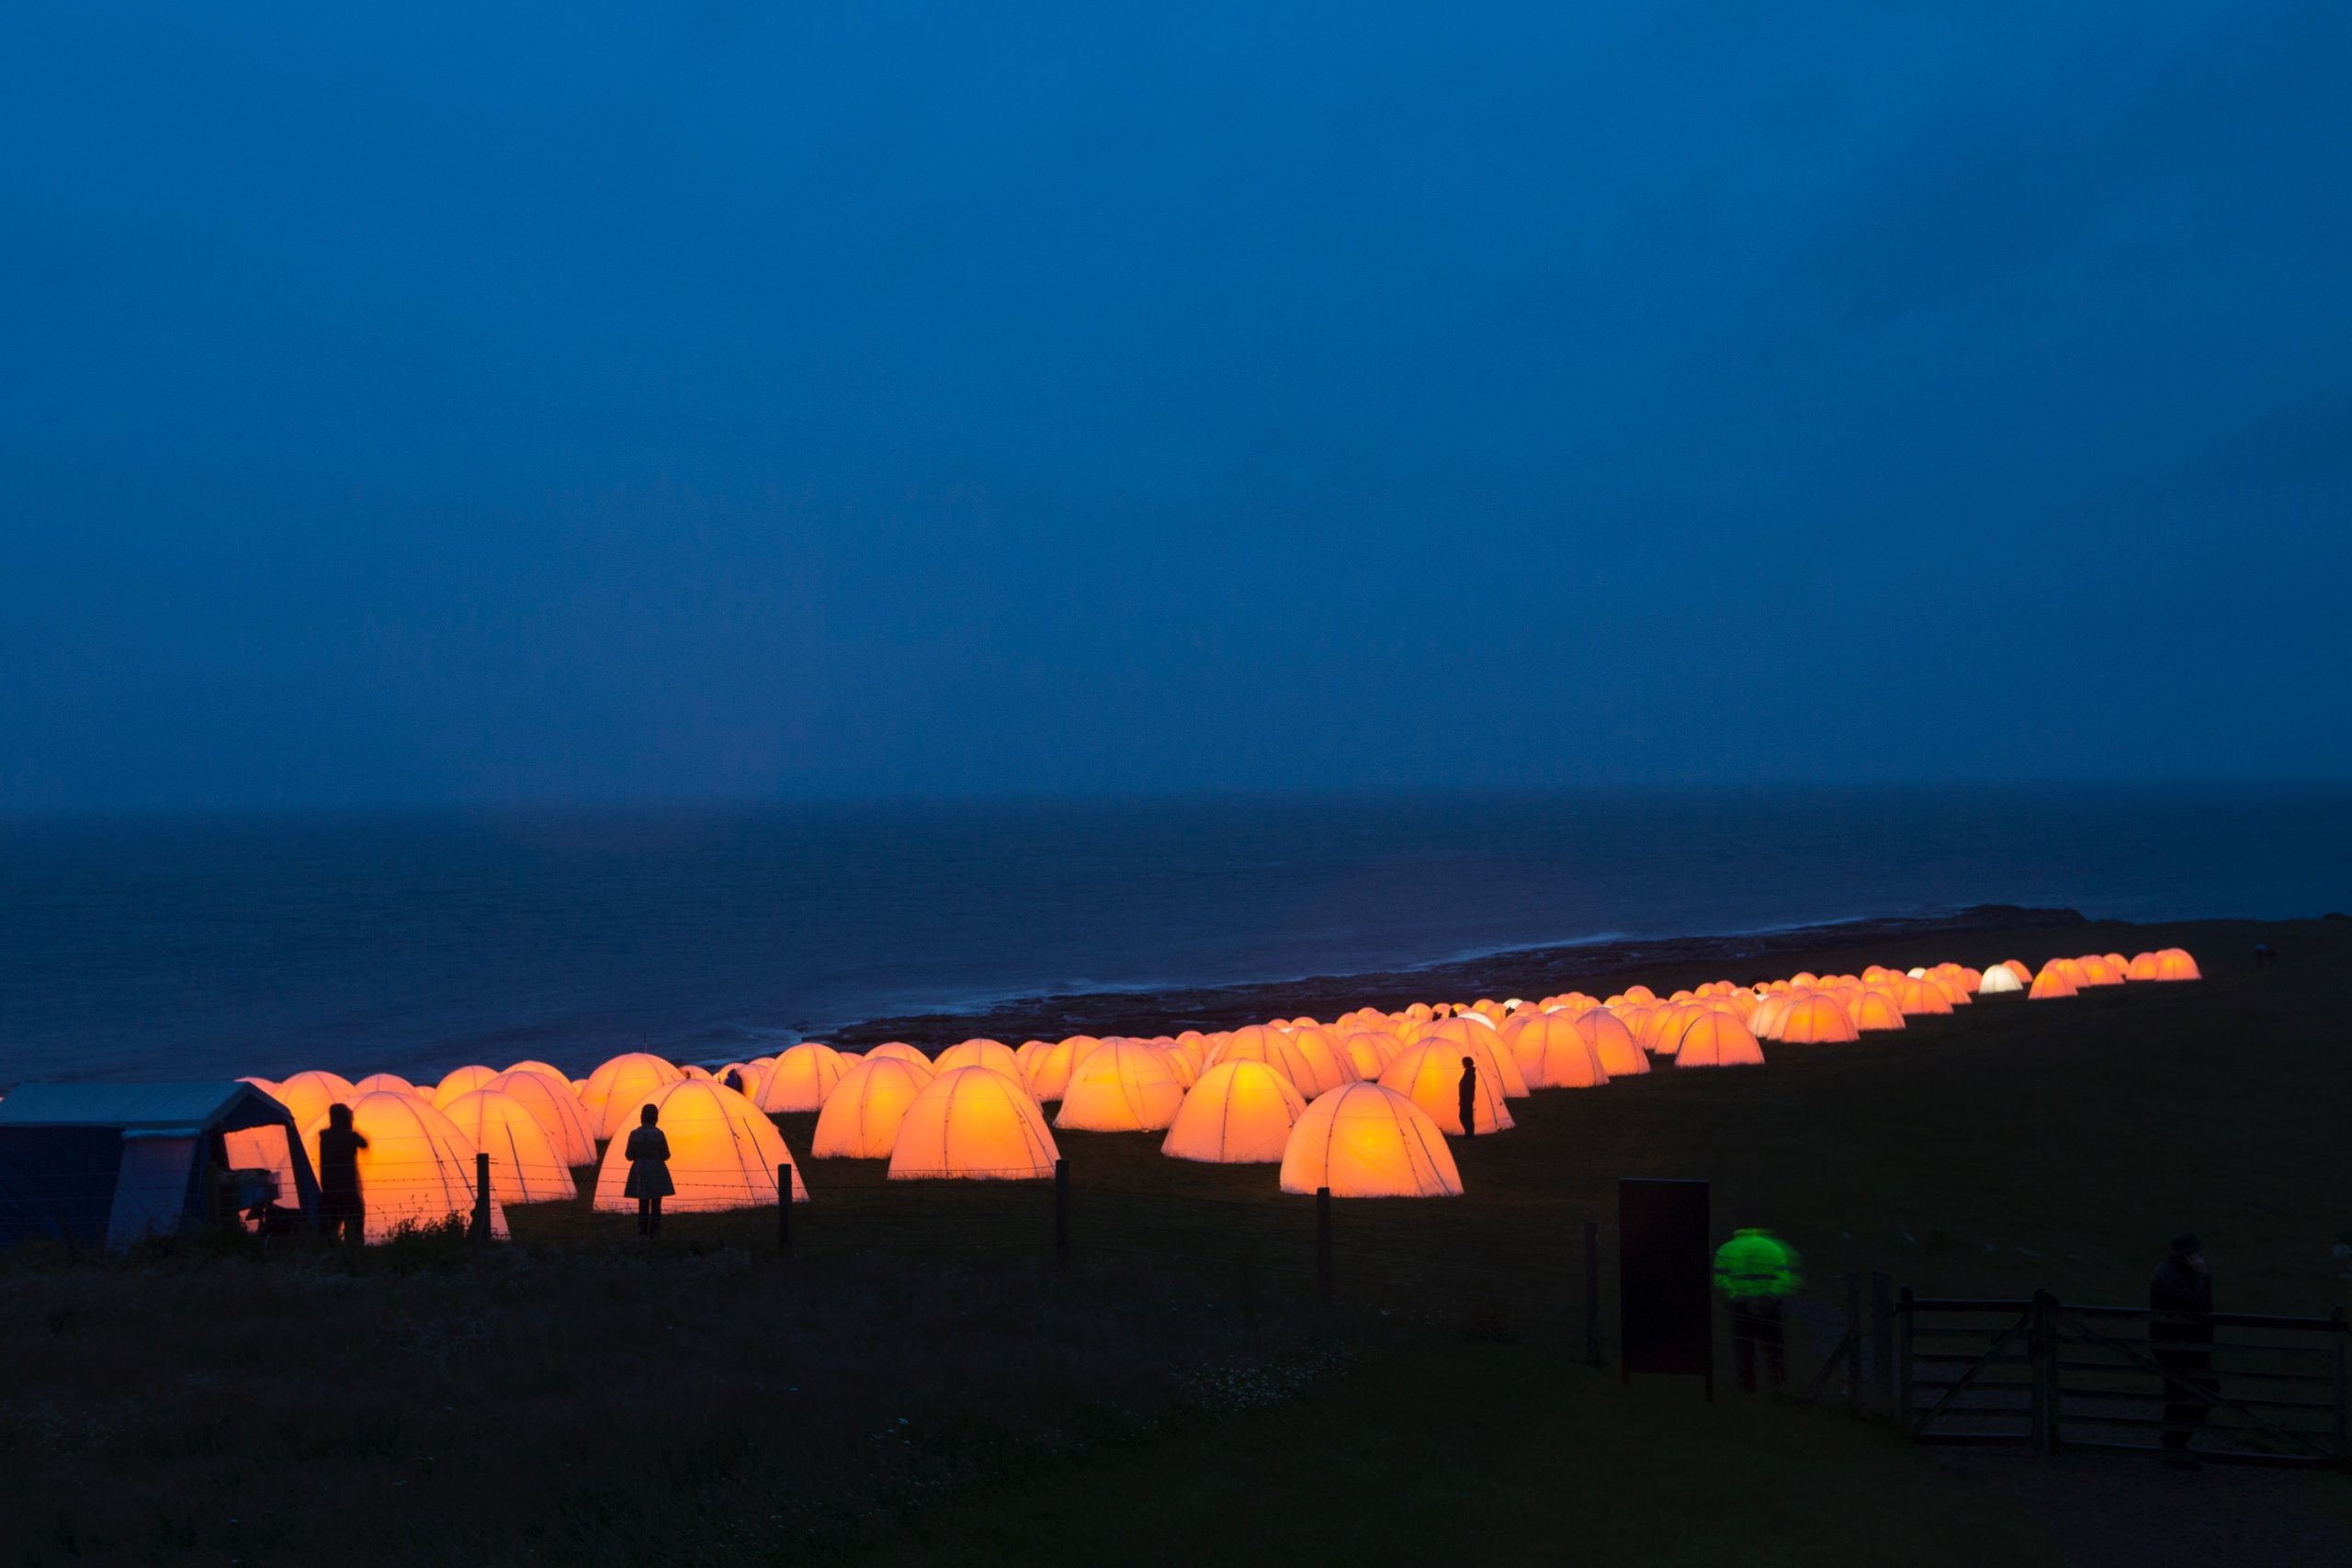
[{"x": 1754, "y": 1270}]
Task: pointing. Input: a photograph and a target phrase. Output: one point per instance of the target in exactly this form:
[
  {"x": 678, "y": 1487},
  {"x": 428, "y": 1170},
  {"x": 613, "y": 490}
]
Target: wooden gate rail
[{"x": 2064, "y": 1350}]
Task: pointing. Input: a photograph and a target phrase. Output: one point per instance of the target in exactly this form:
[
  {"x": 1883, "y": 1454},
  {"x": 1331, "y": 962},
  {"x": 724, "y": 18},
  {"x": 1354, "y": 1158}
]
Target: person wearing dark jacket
[
  {"x": 1469, "y": 1096},
  {"x": 2180, "y": 1337},
  {"x": 342, "y": 1213},
  {"x": 649, "y": 1171}
]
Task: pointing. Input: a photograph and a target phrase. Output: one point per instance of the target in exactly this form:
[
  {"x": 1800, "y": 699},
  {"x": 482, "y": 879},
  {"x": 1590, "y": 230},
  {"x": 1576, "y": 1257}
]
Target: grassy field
[{"x": 919, "y": 1382}]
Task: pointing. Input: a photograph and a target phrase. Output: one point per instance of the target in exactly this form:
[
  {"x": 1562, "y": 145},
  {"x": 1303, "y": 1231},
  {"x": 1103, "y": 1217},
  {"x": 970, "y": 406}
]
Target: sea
[{"x": 411, "y": 943}]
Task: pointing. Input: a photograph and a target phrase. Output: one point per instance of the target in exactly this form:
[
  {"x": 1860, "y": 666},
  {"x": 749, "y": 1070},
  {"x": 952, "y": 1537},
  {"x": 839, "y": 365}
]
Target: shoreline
[{"x": 1527, "y": 972}]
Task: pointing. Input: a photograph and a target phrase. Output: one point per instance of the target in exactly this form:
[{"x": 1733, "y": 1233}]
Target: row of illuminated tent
[{"x": 1363, "y": 1104}]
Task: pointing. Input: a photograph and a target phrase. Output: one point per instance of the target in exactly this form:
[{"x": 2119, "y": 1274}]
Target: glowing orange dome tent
[
  {"x": 1650, "y": 1027},
  {"x": 1765, "y": 1022},
  {"x": 1046, "y": 1072},
  {"x": 386, "y": 1083},
  {"x": 1816, "y": 1020},
  {"x": 1238, "y": 1113},
  {"x": 1875, "y": 1011},
  {"x": 457, "y": 1081},
  {"x": 1179, "y": 1059},
  {"x": 557, "y": 1110},
  {"x": 1482, "y": 1041},
  {"x": 862, "y": 1115},
  {"x": 2052, "y": 984},
  {"x": 1122, "y": 1086},
  {"x": 723, "y": 1153},
  {"x": 417, "y": 1169},
  {"x": 2167, "y": 963},
  {"x": 802, "y": 1077},
  {"x": 1368, "y": 1141},
  {"x": 1999, "y": 981},
  {"x": 899, "y": 1050},
  {"x": 1718, "y": 1039},
  {"x": 306, "y": 1096},
  {"x": 618, "y": 1088},
  {"x": 1553, "y": 1052},
  {"x": 524, "y": 1165},
  {"x": 1923, "y": 996},
  {"x": 2098, "y": 971},
  {"x": 1621, "y": 1056},
  {"x": 1328, "y": 1065},
  {"x": 992, "y": 1053},
  {"x": 1369, "y": 1051},
  {"x": 1429, "y": 1075},
  {"x": 973, "y": 1124},
  {"x": 1264, "y": 1043}
]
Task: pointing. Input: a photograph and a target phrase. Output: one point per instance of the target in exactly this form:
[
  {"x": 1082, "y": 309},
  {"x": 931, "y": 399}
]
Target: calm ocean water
[{"x": 412, "y": 943}]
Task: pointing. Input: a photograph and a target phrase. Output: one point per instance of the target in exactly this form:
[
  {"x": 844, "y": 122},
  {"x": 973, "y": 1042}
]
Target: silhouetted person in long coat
[
  {"x": 343, "y": 1216},
  {"x": 649, "y": 1171},
  {"x": 2180, "y": 1337},
  {"x": 1469, "y": 1096}
]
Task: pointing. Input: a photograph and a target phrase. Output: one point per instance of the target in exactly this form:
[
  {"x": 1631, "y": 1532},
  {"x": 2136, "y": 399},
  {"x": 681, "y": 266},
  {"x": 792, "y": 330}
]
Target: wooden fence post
[
  {"x": 1061, "y": 1212},
  {"x": 1323, "y": 1244},
  {"x": 1853, "y": 1342},
  {"x": 480, "y": 1229},
  {"x": 2041, "y": 1358},
  {"x": 2343, "y": 1386},
  {"x": 1883, "y": 1340},
  {"x": 1591, "y": 1293},
  {"x": 783, "y": 1208},
  {"x": 1903, "y": 1363}
]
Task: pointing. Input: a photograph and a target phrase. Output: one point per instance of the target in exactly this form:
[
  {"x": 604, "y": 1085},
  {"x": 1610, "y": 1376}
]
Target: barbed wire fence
[{"x": 2027, "y": 1372}]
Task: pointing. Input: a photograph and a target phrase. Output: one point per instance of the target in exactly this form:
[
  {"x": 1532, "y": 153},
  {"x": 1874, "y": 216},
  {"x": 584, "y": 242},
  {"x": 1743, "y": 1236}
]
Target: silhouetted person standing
[
  {"x": 649, "y": 1171},
  {"x": 2180, "y": 1336},
  {"x": 343, "y": 1216},
  {"x": 1469, "y": 1096}
]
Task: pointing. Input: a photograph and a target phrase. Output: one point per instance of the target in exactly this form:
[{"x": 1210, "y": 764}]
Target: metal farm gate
[{"x": 2040, "y": 1374}]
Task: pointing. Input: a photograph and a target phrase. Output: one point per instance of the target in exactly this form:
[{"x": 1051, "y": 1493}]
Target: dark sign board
[{"x": 1665, "y": 1302}]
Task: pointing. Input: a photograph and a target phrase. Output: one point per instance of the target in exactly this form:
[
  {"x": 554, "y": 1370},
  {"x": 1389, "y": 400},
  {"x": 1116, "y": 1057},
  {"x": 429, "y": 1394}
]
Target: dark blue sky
[{"x": 626, "y": 401}]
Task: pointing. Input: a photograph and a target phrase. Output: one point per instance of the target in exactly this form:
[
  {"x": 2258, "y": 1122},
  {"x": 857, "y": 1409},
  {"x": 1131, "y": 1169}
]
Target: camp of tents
[{"x": 1363, "y": 1105}]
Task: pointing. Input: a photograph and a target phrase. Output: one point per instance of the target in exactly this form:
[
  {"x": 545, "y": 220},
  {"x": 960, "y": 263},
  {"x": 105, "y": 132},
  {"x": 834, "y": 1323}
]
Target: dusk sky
[{"x": 429, "y": 404}]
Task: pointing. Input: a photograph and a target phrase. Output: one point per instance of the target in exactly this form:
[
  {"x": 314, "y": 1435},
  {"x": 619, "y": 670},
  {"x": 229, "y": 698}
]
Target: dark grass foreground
[{"x": 919, "y": 1382}]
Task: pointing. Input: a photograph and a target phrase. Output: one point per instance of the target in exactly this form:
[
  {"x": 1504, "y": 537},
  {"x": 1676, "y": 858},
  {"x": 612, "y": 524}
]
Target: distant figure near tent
[
  {"x": 649, "y": 1171},
  {"x": 1469, "y": 1095},
  {"x": 342, "y": 1212},
  {"x": 1754, "y": 1270},
  {"x": 2180, "y": 1335}
]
